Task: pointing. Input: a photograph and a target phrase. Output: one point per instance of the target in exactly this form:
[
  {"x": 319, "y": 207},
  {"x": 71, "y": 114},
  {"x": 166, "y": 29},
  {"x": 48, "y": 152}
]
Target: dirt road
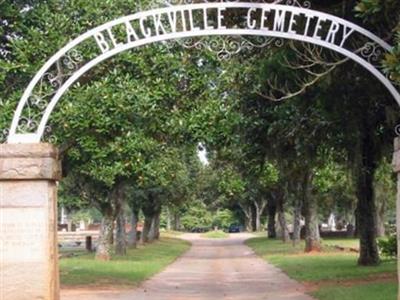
[{"x": 212, "y": 269}]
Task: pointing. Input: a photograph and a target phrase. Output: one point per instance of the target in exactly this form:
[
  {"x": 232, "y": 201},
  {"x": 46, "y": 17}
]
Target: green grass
[
  {"x": 328, "y": 266},
  {"x": 215, "y": 235},
  {"x": 372, "y": 291},
  {"x": 347, "y": 243},
  {"x": 129, "y": 270},
  {"x": 171, "y": 233},
  {"x": 331, "y": 268},
  {"x": 259, "y": 234}
]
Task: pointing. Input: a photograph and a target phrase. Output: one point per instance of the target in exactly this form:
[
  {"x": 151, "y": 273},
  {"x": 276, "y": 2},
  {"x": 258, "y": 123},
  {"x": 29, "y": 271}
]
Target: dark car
[
  {"x": 234, "y": 228},
  {"x": 199, "y": 229}
]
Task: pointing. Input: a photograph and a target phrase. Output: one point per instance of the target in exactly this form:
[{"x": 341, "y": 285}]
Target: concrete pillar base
[
  {"x": 396, "y": 168},
  {"x": 28, "y": 222}
]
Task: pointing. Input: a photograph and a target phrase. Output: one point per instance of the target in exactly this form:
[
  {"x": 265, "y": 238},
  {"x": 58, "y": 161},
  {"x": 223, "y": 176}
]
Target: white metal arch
[{"x": 366, "y": 56}]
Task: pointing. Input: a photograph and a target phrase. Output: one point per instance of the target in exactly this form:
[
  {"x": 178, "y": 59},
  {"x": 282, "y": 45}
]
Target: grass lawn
[
  {"x": 215, "y": 235},
  {"x": 129, "y": 270},
  {"x": 372, "y": 291},
  {"x": 347, "y": 243},
  {"x": 171, "y": 233},
  {"x": 334, "y": 273}
]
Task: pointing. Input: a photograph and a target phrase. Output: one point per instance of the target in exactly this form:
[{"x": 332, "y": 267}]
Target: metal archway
[{"x": 273, "y": 21}]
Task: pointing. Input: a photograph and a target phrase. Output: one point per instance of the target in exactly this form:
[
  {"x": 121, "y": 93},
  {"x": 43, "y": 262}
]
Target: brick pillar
[
  {"x": 396, "y": 167},
  {"x": 28, "y": 222}
]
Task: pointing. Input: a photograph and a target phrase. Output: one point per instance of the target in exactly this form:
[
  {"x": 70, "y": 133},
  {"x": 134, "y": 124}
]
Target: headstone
[{"x": 88, "y": 244}]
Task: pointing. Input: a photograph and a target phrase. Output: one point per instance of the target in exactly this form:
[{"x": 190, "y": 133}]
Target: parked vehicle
[
  {"x": 234, "y": 228},
  {"x": 200, "y": 229}
]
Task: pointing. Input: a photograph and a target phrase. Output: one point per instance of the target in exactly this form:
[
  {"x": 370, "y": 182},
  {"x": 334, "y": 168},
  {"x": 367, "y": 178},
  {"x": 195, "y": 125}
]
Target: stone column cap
[
  {"x": 396, "y": 144},
  {"x": 29, "y": 162}
]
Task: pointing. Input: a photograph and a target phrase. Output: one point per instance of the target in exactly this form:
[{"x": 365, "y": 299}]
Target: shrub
[
  {"x": 388, "y": 246},
  {"x": 223, "y": 219}
]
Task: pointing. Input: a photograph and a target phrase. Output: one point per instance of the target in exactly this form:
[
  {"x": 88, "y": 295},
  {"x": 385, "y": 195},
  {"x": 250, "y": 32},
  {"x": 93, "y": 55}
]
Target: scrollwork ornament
[
  {"x": 226, "y": 47},
  {"x": 49, "y": 136},
  {"x": 54, "y": 80},
  {"x": 39, "y": 102},
  {"x": 304, "y": 4},
  {"x": 372, "y": 53},
  {"x": 27, "y": 125},
  {"x": 3, "y": 135},
  {"x": 397, "y": 130},
  {"x": 72, "y": 59},
  {"x": 158, "y": 3}
]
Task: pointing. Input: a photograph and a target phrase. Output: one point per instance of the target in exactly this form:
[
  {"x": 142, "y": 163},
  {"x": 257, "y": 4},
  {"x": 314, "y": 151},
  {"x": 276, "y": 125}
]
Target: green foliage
[
  {"x": 69, "y": 197},
  {"x": 268, "y": 174},
  {"x": 335, "y": 190},
  {"x": 88, "y": 215},
  {"x": 388, "y": 246},
  {"x": 223, "y": 218},
  {"x": 196, "y": 216},
  {"x": 231, "y": 184},
  {"x": 392, "y": 61},
  {"x": 386, "y": 13},
  {"x": 367, "y": 8}
]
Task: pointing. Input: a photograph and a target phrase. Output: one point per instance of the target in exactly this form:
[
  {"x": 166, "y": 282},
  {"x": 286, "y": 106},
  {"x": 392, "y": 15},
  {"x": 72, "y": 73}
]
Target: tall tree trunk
[
  {"x": 177, "y": 221},
  {"x": 146, "y": 229},
  {"x": 259, "y": 209},
  {"x": 248, "y": 217},
  {"x": 356, "y": 223},
  {"x": 257, "y": 217},
  {"x": 120, "y": 236},
  {"x": 284, "y": 232},
  {"x": 366, "y": 209},
  {"x": 157, "y": 225},
  {"x": 297, "y": 220},
  {"x": 280, "y": 205},
  {"x": 168, "y": 219},
  {"x": 313, "y": 240},
  {"x": 154, "y": 231},
  {"x": 148, "y": 212},
  {"x": 132, "y": 238},
  {"x": 253, "y": 217},
  {"x": 271, "y": 219},
  {"x": 103, "y": 250},
  {"x": 366, "y": 221}
]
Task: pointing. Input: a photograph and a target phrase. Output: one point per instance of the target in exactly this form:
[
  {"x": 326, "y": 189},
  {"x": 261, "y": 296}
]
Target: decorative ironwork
[
  {"x": 227, "y": 46},
  {"x": 397, "y": 130},
  {"x": 3, "y": 135},
  {"x": 373, "y": 53},
  {"x": 305, "y": 4},
  {"x": 49, "y": 83},
  {"x": 212, "y": 32},
  {"x": 49, "y": 136}
]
